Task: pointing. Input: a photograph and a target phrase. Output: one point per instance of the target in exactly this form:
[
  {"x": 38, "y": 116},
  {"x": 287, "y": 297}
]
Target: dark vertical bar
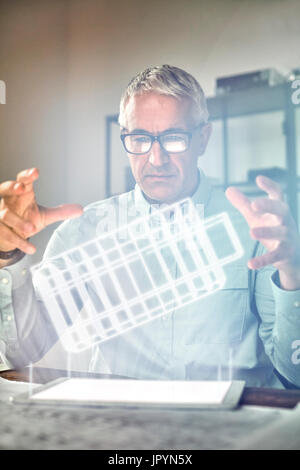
[
  {"x": 108, "y": 156},
  {"x": 225, "y": 143},
  {"x": 291, "y": 152},
  {"x": 109, "y": 120}
]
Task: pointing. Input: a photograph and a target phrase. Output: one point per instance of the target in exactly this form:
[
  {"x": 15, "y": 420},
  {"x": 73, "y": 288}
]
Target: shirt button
[
  {"x": 4, "y": 280},
  {"x": 24, "y": 271},
  {"x": 8, "y": 317},
  {"x": 297, "y": 303}
]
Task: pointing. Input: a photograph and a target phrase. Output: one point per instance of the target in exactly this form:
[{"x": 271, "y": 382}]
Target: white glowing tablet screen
[{"x": 137, "y": 391}]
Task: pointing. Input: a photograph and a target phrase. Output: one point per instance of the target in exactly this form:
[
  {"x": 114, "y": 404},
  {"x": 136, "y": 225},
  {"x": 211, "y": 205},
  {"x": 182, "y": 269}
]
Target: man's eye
[
  {"x": 173, "y": 138},
  {"x": 140, "y": 139}
]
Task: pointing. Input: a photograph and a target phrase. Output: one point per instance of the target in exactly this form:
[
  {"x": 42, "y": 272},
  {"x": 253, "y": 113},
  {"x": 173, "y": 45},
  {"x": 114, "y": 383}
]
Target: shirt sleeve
[
  {"x": 279, "y": 312},
  {"x": 26, "y": 332},
  {"x": 11, "y": 277}
]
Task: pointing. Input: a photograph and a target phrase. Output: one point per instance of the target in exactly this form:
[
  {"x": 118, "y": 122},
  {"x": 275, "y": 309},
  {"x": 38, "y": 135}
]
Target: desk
[{"x": 42, "y": 427}]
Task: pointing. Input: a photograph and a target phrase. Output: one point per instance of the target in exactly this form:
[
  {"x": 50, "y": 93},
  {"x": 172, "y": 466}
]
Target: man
[{"x": 245, "y": 330}]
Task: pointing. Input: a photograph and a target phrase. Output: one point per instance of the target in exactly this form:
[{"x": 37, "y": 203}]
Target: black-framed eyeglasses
[{"x": 140, "y": 143}]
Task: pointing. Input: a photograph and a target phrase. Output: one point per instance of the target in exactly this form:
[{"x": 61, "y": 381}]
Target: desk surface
[{"x": 140, "y": 428}]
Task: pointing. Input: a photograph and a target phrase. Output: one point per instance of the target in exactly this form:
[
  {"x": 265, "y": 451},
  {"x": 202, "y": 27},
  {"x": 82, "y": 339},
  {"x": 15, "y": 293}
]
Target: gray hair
[{"x": 166, "y": 80}]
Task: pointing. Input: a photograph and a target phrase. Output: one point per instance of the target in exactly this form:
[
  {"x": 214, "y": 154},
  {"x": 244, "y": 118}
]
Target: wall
[
  {"x": 33, "y": 122},
  {"x": 111, "y": 41}
]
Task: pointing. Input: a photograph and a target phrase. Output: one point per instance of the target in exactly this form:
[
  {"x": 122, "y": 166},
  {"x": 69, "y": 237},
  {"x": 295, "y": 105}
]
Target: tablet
[{"x": 145, "y": 393}]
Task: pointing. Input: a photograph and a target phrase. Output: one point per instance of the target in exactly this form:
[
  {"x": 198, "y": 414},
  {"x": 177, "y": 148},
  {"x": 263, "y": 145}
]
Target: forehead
[{"x": 156, "y": 112}]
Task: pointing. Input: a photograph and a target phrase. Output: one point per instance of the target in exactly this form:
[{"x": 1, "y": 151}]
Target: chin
[{"x": 167, "y": 197}]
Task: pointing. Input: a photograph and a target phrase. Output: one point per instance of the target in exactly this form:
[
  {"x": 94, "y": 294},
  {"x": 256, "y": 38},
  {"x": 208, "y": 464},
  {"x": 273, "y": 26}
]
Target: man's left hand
[{"x": 271, "y": 222}]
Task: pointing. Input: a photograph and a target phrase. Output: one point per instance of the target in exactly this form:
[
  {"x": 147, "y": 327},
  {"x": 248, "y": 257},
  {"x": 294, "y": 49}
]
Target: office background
[{"x": 65, "y": 64}]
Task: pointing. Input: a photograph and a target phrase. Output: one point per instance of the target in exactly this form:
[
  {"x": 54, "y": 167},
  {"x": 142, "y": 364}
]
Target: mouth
[{"x": 159, "y": 176}]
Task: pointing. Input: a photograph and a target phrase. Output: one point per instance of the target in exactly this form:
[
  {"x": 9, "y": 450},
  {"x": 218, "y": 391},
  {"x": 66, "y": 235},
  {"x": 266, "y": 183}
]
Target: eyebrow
[{"x": 144, "y": 131}]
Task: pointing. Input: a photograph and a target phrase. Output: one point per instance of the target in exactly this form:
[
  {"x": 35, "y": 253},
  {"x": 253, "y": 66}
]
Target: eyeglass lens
[{"x": 142, "y": 143}]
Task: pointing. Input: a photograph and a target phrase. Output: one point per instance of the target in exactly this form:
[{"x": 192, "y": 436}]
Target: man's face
[{"x": 165, "y": 177}]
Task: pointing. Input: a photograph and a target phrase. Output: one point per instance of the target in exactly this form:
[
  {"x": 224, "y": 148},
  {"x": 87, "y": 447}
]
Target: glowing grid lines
[{"x": 114, "y": 283}]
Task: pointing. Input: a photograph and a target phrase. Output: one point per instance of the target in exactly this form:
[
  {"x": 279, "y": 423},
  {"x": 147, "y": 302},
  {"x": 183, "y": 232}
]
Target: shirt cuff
[
  {"x": 286, "y": 300},
  {"x": 15, "y": 275}
]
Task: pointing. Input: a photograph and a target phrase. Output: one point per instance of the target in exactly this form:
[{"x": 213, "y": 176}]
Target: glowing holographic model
[{"x": 133, "y": 275}]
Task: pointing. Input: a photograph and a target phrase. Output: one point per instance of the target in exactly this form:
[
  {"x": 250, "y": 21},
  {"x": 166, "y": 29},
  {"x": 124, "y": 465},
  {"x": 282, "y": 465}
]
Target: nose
[{"x": 157, "y": 156}]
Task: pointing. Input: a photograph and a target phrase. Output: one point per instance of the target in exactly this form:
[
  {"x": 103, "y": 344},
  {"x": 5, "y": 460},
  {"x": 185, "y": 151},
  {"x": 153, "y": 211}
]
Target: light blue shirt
[{"x": 243, "y": 331}]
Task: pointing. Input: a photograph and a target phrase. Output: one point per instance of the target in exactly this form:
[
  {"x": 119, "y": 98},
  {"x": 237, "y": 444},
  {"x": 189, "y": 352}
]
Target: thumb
[{"x": 63, "y": 212}]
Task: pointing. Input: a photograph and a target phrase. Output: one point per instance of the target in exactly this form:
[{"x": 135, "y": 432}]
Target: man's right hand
[{"x": 21, "y": 217}]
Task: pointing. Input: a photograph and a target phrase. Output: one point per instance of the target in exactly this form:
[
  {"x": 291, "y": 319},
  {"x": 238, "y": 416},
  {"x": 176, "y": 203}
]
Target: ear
[{"x": 204, "y": 135}]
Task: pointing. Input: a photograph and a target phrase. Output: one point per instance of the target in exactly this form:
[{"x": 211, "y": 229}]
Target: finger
[
  {"x": 11, "y": 240},
  {"x": 269, "y": 233},
  {"x": 240, "y": 202},
  {"x": 11, "y": 188},
  {"x": 272, "y": 188},
  {"x": 17, "y": 223},
  {"x": 27, "y": 177},
  {"x": 271, "y": 206},
  {"x": 66, "y": 211},
  {"x": 264, "y": 260}
]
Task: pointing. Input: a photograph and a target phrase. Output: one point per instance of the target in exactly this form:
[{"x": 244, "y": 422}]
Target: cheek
[
  {"x": 186, "y": 166},
  {"x": 136, "y": 167}
]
